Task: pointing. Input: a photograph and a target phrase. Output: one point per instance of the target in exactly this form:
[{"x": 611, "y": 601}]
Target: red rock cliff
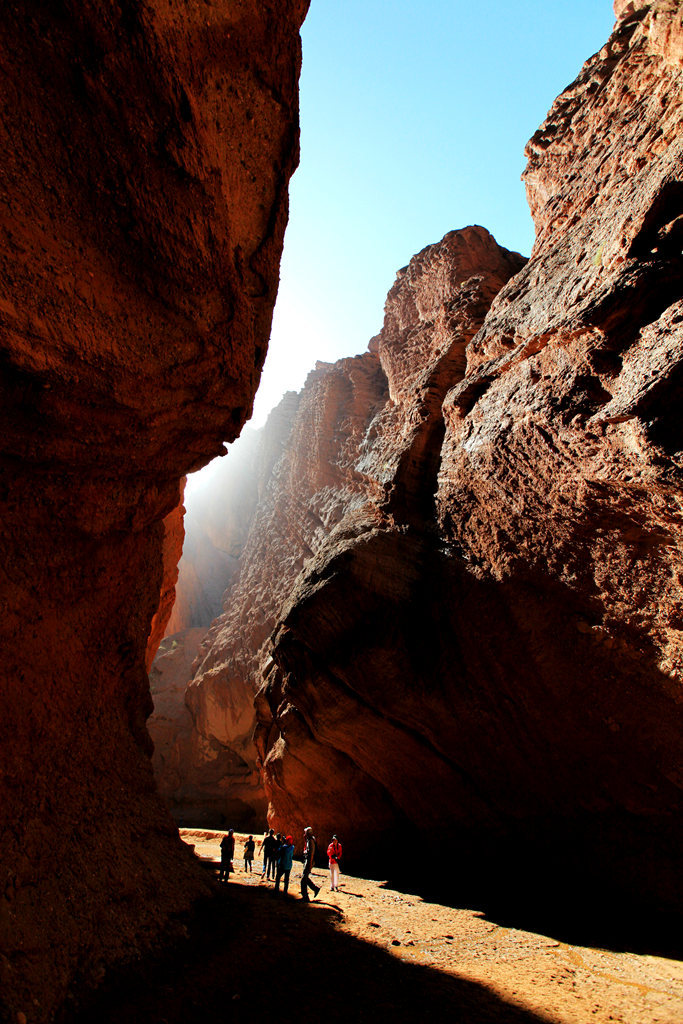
[
  {"x": 494, "y": 657},
  {"x": 143, "y": 188},
  {"x": 356, "y": 451},
  {"x": 346, "y": 720},
  {"x": 306, "y": 480}
]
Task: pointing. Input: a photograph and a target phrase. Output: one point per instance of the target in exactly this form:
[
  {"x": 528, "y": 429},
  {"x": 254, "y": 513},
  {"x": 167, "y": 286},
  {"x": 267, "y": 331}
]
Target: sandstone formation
[
  {"x": 300, "y": 499},
  {"x": 202, "y": 779},
  {"x": 344, "y": 717},
  {"x": 359, "y": 428},
  {"x": 171, "y": 551},
  {"x": 146, "y": 155},
  {"x": 474, "y": 592}
]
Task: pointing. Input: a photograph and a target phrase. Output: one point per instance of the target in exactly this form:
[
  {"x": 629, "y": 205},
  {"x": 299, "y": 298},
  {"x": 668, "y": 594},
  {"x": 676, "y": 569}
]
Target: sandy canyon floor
[{"x": 371, "y": 953}]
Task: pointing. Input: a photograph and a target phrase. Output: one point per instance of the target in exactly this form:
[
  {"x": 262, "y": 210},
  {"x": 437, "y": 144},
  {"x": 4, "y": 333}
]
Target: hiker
[
  {"x": 261, "y": 845},
  {"x": 249, "y": 853},
  {"x": 227, "y": 853},
  {"x": 309, "y": 857},
  {"x": 334, "y": 852},
  {"x": 284, "y": 863},
  {"x": 269, "y": 846}
]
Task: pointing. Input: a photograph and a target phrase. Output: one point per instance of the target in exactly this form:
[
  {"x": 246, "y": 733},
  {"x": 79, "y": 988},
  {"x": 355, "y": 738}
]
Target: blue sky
[{"x": 414, "y": 119}]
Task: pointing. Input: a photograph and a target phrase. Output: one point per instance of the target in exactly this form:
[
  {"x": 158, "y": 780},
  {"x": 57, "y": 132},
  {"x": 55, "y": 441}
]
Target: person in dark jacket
[
  {"x": 227, "y": 853},
  {"x": 284, "y": 863},
  {"x": 249, "y": 847},
  {"x": 309, "y": 858},
  {"x": 269, "y": 847}
]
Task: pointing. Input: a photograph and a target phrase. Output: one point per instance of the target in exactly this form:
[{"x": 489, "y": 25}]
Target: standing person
[
  {"x": 261, "y": 848},
  {"x": 269, "y": 845},
  {"x": 227, "y": 853},
  {"x": 309, "y": 857},
  {"x": 249, "y": 853},
  {"x": 334, "y": 852},
  {"x": 284, "y": 863}
]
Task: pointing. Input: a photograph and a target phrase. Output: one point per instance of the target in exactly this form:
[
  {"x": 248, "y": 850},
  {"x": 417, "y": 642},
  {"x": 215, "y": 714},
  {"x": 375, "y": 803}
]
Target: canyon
[
  {"x": 443, "y": 603},
  {"x": 457, "y": 610}
]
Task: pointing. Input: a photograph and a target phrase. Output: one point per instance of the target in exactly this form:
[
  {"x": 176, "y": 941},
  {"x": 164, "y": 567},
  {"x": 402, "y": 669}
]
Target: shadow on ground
[
  {"x": 253, "y": 955},
  {"x": 578, "y": 916}
]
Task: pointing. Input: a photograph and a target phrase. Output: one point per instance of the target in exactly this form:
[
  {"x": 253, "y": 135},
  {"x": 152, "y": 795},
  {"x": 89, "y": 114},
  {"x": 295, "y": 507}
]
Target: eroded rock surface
[
  {"x": 491, "y": 659},
  {"x": 345, "y": 722},
  {"x": 202, "y": 779},
  {"x": 357, "y": 450},
  {"x": 143, "y": 196},
  {"x": 306, "y": 480}
]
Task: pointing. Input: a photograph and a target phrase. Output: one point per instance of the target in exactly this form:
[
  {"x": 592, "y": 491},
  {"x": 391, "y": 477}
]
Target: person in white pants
[{"x": 334, "y": 852}]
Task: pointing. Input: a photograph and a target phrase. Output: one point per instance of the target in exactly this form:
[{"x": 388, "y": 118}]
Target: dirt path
[{"x": 371, "y": 953}]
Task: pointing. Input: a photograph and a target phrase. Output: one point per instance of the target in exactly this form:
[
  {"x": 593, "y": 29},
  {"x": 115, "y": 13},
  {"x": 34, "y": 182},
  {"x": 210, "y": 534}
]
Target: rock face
[
  {"x": 305, "y": 479},
  {"x": 345, "y": 718},
  {"x": 190, "y": 773},
  {"x": 476, "y": 627},
  {"x": 358, "y": 447},
  {"x": 460, "y": 596},
  {"x": 146, "y": 156},
  {"x": 171, "y": 547},
  {"x": 216, "y": 528}
]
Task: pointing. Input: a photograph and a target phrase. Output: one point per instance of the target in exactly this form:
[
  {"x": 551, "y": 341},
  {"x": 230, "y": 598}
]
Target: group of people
[{"x": 278, "y": 855}]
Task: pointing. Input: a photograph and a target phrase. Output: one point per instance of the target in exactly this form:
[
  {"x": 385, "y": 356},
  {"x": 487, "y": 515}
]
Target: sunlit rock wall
[
  {"x": 143, "y": 186},
  {"x": 496, "y": 663},
  {"x": 305, "y": 479},
  {"x": 350, "y": 720},
  {"x": 356, "y": 450},
  {"x": 217, "y": 520}
]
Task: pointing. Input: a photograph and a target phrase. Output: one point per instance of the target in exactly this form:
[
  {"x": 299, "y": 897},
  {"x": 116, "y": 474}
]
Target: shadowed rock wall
[
  {"x": 305, "y": 478},
  {"x": 143, "y": 194}
]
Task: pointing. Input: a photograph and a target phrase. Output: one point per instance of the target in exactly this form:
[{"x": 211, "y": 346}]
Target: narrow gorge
[
  {"x": 438, "y": 601},
  {"x": 457, "y": 612}
]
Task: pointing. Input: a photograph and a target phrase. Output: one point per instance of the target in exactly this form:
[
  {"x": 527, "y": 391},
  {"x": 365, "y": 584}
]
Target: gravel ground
[{"x": 371, "y": 953}]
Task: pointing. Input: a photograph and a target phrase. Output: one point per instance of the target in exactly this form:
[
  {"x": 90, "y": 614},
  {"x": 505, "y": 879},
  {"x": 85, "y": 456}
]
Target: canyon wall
[
  {"x": 208, "y": 775},
  {"x": 499, "y": 665},
  {"x": 143, "y": 187},
  {"x": 360, "y": 428},
  {"x": 465, "y": 613},
  {"x": 216, "y": 526},
  {"x": 304, "y": 478}
]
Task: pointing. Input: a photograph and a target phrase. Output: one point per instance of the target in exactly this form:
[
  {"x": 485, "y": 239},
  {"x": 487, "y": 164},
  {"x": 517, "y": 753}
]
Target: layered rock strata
[
  {"x": 143, "y": 187},
  {"x": 488, "y": 658}
]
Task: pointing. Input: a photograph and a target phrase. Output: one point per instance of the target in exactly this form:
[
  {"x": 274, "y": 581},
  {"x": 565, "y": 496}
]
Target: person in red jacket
[{"x": 334, "y": 852}]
